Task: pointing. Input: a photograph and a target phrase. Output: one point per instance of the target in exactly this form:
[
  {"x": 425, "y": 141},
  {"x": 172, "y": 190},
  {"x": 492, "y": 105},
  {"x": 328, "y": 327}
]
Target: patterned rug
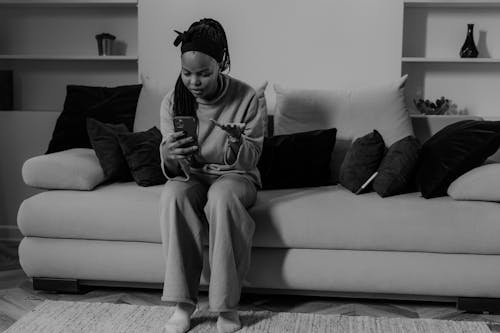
[{"x": 65, "y": 316}]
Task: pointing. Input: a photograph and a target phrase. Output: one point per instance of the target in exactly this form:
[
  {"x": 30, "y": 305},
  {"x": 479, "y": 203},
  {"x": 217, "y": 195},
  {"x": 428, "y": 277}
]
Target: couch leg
[
  {"x": 479, "y": 305},
  {"x": 69, "y": 286}
]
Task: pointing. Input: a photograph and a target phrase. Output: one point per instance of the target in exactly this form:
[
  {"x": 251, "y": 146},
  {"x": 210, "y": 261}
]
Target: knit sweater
[{"x": 237, "y": 103}]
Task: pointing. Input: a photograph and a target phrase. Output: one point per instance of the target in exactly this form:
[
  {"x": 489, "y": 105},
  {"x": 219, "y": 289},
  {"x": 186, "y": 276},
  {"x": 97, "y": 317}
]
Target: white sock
[
  {"x": 228, "y": 322},
  {"x": 180, "y": 321}
]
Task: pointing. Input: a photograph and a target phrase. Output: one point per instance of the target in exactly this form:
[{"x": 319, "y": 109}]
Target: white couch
[{"x": 324, "y": 240}]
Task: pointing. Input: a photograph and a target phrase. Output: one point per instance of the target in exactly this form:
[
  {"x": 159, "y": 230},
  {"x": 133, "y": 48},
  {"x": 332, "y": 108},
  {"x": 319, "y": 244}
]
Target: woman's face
[{"x": 199, "y": 74}]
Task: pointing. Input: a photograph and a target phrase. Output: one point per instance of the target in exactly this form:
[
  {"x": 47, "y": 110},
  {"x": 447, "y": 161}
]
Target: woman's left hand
[{"x": 232, "y": 129}]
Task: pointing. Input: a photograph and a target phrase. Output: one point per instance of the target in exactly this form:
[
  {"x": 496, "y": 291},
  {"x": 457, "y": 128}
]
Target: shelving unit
[
  {"x": 452, "y": 4},
  {"x": 49, "y": 44},
  {"x": 433, "y": 33},
  {"x": 68, "y": 3},
  {"x": 66, "y": 57},
  {"x": 450, "y": 60}
]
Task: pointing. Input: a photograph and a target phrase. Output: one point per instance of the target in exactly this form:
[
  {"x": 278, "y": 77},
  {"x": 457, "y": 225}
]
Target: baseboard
[{"x": 10, "y": 233}]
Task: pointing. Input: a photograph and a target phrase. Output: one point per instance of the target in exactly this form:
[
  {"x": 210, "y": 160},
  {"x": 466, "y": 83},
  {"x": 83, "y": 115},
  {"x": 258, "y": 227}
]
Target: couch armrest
[{"x": 72, "y": 169}]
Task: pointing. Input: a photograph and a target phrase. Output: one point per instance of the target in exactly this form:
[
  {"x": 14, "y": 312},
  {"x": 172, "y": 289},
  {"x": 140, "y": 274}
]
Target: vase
[{"x": 469, "y": 49}]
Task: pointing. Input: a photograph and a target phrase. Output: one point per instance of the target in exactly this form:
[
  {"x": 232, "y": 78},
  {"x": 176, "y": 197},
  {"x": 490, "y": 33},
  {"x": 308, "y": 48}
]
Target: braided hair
[{"x": 208, "y": 29}]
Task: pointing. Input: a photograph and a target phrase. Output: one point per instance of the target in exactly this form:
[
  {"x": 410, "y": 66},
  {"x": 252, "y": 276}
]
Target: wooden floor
[{"x": 17, "y": 297}]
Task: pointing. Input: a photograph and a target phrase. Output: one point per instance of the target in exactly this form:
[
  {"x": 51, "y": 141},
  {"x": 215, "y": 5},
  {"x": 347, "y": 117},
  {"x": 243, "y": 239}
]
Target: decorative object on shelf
[
  {"x": 105, "y": 43},
  {"x": 469, "y": 49},
  {"x": 6, "y": 90},
  {"x": 441, "y": 106}
]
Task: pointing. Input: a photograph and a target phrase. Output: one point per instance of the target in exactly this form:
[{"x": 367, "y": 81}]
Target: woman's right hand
[{"x": 172, "y": 148}]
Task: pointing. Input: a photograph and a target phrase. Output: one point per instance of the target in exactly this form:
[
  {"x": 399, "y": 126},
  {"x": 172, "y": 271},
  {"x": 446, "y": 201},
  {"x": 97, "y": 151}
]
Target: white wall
[
  {"x": 23, "y": 134},
  {"x": 315, "y": 44}
]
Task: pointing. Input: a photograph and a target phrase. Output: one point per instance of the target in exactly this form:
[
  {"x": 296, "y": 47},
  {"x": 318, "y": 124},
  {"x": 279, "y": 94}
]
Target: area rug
[{"x": 73, "y": 317}]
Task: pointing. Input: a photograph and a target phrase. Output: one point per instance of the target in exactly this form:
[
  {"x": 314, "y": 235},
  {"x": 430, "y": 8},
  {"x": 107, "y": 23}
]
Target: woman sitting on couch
[{"x": 212, "y": 178}]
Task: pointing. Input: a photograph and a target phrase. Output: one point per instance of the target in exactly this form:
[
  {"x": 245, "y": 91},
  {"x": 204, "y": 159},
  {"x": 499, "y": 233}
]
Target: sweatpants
[{"x": 189, "y": 210}]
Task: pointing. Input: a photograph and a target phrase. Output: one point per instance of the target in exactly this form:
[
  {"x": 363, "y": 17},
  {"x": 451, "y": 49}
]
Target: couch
[{"x": 321, "y": 240}]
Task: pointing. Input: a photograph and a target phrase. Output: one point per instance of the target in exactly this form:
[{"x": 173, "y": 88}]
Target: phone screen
[{"x": 187, "y": 125}]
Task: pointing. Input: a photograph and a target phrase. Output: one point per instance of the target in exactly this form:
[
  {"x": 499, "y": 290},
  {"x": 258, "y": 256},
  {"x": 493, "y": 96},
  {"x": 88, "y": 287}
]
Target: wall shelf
[
  {"x": 452, "y": 3},
  {"x": 69, "y": 3},
  {"x": 433, "y": 33},
  {"x": 48, "y": 44},
  {"x": 66, "y": 57},
  {"x": 450, "y": 60}
]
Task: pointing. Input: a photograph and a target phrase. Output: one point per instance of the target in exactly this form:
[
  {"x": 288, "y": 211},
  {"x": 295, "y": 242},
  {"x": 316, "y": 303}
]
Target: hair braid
[{"x": 184, "y": 102}]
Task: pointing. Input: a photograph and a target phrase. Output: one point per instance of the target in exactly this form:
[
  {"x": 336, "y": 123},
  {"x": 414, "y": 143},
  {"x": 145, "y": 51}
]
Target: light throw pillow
[
  {"x": 382, "y": 108},
  {"x": 303, "y": 110},
  {"x": 152, "y": 93},
  {"x": 481, "y": 183},
  {"x": 262, "y": 106},
  {"x": 149, "y": 102},
  {"x": 72, "y": 169},
  {"x": 353, "y": 112}
]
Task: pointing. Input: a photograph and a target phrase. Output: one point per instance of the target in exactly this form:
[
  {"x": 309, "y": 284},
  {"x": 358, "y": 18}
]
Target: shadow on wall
[
  {"x": 119, "y": 47},
  {"x": 481, "y": 45}
]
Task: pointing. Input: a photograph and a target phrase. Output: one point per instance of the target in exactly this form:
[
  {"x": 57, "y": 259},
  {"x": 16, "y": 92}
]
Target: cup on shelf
[{"x": 105, "y": 43}]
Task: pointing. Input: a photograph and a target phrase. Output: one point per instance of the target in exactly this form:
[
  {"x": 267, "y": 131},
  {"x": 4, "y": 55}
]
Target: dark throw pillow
[
  {"x": 297, "y": 160},
  {"x": 396, "y": 172},
  {"x": 109, "y": 105},
  {"x": 142, "y": 152},
  {"x": 104, "y": 140},
  {"x": 453, "y": 151},
  {"x": 362, "y": 161}
]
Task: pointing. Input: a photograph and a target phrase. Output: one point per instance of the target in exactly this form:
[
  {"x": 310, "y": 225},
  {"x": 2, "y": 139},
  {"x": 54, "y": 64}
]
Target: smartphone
[{"x": 187, "y": 125}]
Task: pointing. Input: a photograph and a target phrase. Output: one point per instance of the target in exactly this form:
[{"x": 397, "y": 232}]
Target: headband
[{"x": 199, "y": 44}]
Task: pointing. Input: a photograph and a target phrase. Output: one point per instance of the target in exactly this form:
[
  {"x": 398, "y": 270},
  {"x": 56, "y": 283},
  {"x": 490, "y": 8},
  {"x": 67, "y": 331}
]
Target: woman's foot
[
  {"x": 228, "y": 322},
  {"x": 180, "y": 321}
]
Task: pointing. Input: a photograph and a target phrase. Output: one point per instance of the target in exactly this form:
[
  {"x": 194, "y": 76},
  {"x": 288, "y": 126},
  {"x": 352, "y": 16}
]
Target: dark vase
[{"x": 469, "y": 49}]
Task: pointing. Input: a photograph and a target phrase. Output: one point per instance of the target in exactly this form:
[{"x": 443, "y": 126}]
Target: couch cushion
[
  {"x": 481, "y": 183},
  {"x": 361, "y": 162},
  {"x": 280, "y": 167},
  {"x": 110, "y": 105},
  {"x": 328, "y": 217},
  {"x": 353, "y": 112}
]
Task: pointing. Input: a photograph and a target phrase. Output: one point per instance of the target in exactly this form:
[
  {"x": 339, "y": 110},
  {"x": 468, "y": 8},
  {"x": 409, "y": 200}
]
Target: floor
[{"x": 17, "y": 297}]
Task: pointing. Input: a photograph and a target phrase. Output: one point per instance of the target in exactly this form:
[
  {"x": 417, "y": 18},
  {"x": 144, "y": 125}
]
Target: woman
[{"x": 211, "y": 183}]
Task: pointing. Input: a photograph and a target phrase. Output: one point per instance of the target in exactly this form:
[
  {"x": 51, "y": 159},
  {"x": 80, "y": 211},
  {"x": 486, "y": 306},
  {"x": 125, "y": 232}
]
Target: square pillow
[
  {"x": 297, "y": 160},
  {"x": 72, "y": 169},
  {"x": 362, "y": 161},
  {"x": 353, "y": 112},
  {"x": 262, "y": 106},
  {"x": 382, "y": 108},
  {"x": 148, "y": 105},
  {"x": 453, "y": 151},
  {"x": 104, "y": 140},
  {"x": 396, "y": 172},
  {"x": 109, "y": 105},
  {"x": 481, "y": 183},
  {"x": 142, "y": 152}
]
